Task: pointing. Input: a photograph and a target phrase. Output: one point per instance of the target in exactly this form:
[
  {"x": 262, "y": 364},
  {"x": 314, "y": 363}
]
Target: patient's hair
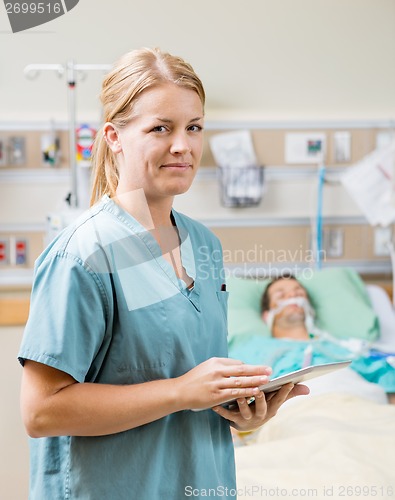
[{"x": 265, "y": 300}]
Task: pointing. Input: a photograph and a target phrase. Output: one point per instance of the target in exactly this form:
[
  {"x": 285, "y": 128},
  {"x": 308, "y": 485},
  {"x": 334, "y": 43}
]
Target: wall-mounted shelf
[
  {"x": 298, "y": 124},
  {"x": 34, "y": 175}
]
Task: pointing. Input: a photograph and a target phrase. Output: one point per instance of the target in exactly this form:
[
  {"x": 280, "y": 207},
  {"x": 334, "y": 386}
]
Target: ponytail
[{"x": 105, "y": 170}]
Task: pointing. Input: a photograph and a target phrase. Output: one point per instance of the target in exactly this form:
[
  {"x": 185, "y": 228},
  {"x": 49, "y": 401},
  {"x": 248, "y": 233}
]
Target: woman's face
[{"x": 161, "y": 147}]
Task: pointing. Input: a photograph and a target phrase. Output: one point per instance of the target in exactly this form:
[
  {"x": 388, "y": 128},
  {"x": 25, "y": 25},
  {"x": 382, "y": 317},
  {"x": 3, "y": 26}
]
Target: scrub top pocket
[{"x": 143, "y": 343}]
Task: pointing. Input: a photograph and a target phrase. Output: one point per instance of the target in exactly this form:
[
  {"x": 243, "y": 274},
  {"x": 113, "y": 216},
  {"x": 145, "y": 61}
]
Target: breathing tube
[
  {"x": 355, "y": 347},
  {"x": 301, "y": 302}
]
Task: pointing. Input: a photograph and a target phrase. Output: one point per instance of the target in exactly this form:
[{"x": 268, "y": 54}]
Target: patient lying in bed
[{"x": 296, "y": 342}]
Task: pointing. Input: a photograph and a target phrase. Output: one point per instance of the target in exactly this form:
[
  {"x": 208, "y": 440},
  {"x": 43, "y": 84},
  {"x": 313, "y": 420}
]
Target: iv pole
[{"x": 32, "y": 70}]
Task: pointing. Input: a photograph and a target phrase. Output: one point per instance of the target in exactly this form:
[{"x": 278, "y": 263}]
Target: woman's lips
[{"x": 177, "y": 167}]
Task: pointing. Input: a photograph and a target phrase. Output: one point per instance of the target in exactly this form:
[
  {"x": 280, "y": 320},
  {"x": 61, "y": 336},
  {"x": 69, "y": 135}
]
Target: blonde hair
[{"x": 134, "y": 72}]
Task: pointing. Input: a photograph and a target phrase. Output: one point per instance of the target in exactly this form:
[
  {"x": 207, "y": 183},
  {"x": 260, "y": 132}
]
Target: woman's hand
[
  {"x": 248, "y": 417},
  {"x": 218, "y": 380}
]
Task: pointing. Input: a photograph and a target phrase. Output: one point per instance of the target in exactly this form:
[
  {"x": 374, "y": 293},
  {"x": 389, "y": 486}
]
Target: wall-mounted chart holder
[{"x": 241, "y": 186}]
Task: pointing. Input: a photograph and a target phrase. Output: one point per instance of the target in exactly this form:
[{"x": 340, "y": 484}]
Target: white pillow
[{"x": 384, "y": 310}]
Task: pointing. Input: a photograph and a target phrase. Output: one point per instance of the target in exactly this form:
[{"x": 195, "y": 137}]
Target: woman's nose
[{"x": 180, "y": 144}]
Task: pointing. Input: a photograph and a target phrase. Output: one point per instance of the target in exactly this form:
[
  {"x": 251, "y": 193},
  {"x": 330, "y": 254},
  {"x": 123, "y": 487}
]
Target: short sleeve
[{"x": 69, "y": 311}]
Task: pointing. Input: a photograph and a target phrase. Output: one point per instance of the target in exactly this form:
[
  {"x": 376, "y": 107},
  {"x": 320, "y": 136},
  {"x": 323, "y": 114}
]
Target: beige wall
[
  {"x": 14, "y": 457},
  {"x": 265, "y": 247},
  {"x": 262, "y": 58}
]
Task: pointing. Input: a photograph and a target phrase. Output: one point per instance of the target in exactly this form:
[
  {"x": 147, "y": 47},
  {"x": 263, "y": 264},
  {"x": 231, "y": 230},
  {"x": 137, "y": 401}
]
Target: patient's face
[
  {"x": 285, "y": 289},
  {"x": 292, "y": 316}
]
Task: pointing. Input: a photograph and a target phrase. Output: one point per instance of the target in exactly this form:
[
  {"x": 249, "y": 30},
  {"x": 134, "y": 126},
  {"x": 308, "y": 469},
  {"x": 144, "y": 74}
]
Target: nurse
[{"x": 127, "y": 331}]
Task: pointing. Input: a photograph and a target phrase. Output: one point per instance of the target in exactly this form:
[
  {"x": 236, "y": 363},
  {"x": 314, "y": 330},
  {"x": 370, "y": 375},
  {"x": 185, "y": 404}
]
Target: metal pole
[
  {"x": 72, "y": 128},
  {"x": 31, "y": 71}
]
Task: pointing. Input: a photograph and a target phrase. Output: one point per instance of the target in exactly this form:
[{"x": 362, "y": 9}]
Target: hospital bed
[{"x": 338, "y": 442}]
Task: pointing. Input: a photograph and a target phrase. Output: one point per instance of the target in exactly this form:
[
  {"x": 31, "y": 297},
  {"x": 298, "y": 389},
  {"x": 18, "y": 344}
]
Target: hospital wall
[
  {"x": 274, "y": 234},
  {"x": 278, "y": 60}
]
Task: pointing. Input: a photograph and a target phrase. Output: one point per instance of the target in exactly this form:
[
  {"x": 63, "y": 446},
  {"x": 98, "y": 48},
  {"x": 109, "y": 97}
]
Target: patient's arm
[{"x": 391, "y": 398}]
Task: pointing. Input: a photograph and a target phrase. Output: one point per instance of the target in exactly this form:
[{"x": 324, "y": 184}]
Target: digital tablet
[{"x": 296, "y": 377}]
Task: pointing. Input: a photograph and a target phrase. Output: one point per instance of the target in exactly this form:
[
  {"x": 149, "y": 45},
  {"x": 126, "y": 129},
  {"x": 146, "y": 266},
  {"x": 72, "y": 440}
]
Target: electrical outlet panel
[
  {"x": 17, "y": 151},
  {"x": 333, "y": 242},
  {"x": 382, "y": 240},
  {"x": 14, "y": 251},
  {"x": 342, "y": 147},
  {"x": 4, "y": 251},
  {"x": 20, "y": 249}
]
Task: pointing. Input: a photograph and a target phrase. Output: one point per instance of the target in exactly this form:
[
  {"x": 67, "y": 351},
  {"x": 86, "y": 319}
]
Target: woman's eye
[
  {"x": 159, "y": 128},
  {"x": 195, "y": 128}
]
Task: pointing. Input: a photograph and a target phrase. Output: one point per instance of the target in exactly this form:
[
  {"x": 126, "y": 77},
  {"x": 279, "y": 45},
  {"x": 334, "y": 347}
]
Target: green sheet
[{"x": 338, "y": 296}]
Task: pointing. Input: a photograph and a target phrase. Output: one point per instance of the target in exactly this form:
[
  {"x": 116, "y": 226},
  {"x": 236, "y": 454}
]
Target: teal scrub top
[{"x": 107, "y": 308}]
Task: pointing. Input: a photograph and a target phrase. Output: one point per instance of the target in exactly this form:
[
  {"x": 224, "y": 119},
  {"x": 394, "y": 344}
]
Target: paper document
[
  {"x": 370, "y": 183},
  {"x": 305, "y": 147},
  {"x": 233, "y": 149}
]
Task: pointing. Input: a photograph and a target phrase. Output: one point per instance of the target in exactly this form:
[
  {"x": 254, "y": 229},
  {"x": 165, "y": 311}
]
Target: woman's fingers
[
  {"x": 235, "y": 368},
  {"x": 218, "y": 380},
  {"x": 260, "y": 406},
  {"x": 299, "y": 390},
  {"x": 278, "y": 399},
  {"x": 239, "y": 382},
  {"x": 244, "y": 408},
  {"x": 247, "y": 417}
]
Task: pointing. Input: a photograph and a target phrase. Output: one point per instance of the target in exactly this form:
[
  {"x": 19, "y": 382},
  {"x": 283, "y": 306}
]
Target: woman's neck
[
  {"x": 151, "y": 214},
  {"x": 156, "y": 218}
]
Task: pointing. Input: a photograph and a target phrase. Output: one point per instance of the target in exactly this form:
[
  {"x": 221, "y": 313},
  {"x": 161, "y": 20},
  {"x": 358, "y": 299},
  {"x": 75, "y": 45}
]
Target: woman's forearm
[
  {"x": 54, "y": 404},
  {"x": 87, "y": 409},
  {"x": 99, "y": 409}
]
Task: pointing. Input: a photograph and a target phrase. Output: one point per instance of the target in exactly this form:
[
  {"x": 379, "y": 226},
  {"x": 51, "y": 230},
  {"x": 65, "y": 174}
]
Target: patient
[{"x": 287, "y": 310}]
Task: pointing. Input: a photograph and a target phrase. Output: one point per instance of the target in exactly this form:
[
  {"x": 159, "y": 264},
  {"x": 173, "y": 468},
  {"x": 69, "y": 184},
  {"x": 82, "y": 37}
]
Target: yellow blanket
[{"x": 329, "y": 446}]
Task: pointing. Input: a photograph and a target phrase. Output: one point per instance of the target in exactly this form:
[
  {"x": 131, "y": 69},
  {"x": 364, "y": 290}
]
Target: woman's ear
[
  {"x": 264, "y": 316},
  {"x": 112, "y": 138}
]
